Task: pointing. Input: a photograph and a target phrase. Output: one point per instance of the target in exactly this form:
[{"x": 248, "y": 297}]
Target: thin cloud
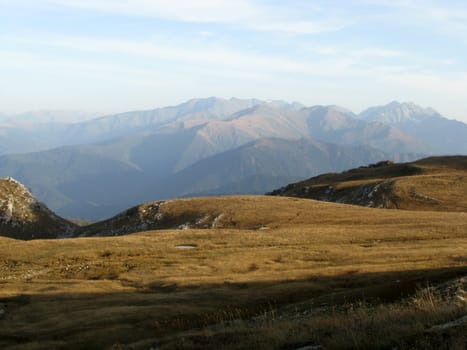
[
  {"x": 299, "y": 27},
  {"x": 376, "y": 52},
  {"x": 449, "y": 17},
  {"x": 244, "y": 13},
  {"x": 355, "y": 63},
  {"x": 212, "y": 11},
  {"x": 233, "y": 44},
  {"x": 200, "y": 56}
]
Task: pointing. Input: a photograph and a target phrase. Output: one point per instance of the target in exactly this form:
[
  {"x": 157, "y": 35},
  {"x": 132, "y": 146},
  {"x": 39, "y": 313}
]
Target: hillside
[
  {"x": 263, "y": 272},
  {"x": 23, "y": 217},
  {"x": 435, "y": 183},
  {"x": 229, "y": 212}
]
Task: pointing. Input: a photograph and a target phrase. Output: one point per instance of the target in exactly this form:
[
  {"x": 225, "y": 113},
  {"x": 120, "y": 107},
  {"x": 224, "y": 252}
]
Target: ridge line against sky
[{"x": 115, "y": 55}]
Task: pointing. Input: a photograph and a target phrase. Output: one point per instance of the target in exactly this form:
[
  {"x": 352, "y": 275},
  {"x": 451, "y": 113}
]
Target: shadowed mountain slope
[
  {"x": 200, "y": 147},
  {"x": 263, "y": 164},
  {"x": 254, "y": 152},
  {"x": 435, "y": 183}
]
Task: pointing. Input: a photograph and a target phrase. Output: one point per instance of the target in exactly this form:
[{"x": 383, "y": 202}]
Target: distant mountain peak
[{"x": 397, "y": 112}]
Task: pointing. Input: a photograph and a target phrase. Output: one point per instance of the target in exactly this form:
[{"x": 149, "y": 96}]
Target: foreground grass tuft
[{"x": 406, "y": 324}]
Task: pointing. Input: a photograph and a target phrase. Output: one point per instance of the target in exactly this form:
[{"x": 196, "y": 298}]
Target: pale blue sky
[{"x": 117, "y": 55}]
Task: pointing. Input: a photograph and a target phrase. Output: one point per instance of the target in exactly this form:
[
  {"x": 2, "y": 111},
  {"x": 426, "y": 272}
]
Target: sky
[{"x": 118, "y": 55}]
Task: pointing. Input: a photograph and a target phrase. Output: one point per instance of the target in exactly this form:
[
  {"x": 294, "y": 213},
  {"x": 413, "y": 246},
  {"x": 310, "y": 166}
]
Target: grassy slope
[
  {"x": 436, "y": 183},
  {"x": 97, "y": 292}
]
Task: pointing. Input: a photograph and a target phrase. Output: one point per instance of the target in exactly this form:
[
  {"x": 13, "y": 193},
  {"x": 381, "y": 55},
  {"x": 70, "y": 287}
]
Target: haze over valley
[{"x": 212, "y": 146}]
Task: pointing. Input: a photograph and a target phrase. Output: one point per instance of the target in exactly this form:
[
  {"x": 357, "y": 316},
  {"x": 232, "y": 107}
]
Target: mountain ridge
[
  {"x": 51, "y": 135},
  {"x": 128, "y": 158}
]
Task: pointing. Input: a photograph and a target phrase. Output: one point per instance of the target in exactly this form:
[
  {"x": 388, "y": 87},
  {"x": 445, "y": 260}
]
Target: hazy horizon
[
  {"x": 113, "y": 56},
  {"x": 87, "y": 114}
]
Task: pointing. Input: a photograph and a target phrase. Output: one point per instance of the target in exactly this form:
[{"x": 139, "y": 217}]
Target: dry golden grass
[
  {"x": 94, "y": 293},
  {"x": 435, "y": 183}
]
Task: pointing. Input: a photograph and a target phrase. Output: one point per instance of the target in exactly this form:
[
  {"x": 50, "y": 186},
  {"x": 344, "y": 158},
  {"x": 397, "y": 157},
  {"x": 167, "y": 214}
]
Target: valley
[{"x": 213, "y": 146}]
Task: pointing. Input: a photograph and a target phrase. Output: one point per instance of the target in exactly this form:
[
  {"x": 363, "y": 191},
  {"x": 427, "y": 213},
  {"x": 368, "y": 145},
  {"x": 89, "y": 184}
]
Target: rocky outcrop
[
  {"x": 22, "y": 216},
  {"x": 453, "y": 291},
  {"x": 435, "y": 183},
  {"x": 373, "y": 195},
  {"x": 153, "y": 216}
]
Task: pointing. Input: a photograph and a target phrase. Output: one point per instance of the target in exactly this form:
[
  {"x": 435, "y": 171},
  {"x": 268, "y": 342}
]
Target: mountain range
[{"x": 98, "y": 167}]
